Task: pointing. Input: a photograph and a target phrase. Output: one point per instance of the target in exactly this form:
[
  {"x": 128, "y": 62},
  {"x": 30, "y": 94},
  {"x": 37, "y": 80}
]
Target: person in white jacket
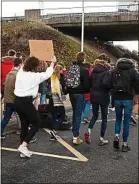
[{"x": 26, "y": 89}]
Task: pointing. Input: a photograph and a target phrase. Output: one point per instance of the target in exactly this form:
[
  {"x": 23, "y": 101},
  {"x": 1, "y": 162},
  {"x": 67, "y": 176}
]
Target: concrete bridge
[{"x": 106, "y": 26}]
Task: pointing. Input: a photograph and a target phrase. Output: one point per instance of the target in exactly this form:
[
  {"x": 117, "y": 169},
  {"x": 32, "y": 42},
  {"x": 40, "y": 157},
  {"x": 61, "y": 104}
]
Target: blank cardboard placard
[{"x": 42, "y": 49}]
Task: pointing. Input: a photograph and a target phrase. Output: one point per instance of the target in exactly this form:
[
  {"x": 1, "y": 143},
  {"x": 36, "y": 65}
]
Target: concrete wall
[
  {"x": 33, "y": 15},
  {"x": 108, "y": 18}
]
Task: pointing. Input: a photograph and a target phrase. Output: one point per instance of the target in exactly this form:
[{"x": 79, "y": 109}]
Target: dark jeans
[
  {"x": 77, "y": 102},
  {"x": 58, "y": 116},
  {"x": 104, "y": 113},
  {"x": 28, "y": 115},
  {"x": 120, "y": 106},
  {"x": 9, "y": 109}
]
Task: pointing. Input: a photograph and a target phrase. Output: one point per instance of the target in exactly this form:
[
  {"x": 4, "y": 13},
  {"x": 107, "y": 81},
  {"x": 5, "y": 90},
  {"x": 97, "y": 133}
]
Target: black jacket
[
  {"x": 127, "y": 64},
  {"x": 84, "y": 81},
  {"x": 99, "y": 91}
]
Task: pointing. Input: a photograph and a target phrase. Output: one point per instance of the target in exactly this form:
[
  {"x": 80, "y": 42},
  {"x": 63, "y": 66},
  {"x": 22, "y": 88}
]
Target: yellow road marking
[
  {"x": 43, "y": 154},
  {"x": 70, "y": 148}
]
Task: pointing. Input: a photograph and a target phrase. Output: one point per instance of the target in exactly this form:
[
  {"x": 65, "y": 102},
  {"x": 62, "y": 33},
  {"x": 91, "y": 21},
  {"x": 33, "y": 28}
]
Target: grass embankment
[{"x": 15, "y": 35}]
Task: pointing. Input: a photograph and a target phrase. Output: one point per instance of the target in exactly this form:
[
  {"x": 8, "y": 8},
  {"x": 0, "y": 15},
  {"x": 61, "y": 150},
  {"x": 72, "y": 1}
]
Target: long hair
[
  {"x": 57, "y": 70},
  {"x": 31, "y": 64}
]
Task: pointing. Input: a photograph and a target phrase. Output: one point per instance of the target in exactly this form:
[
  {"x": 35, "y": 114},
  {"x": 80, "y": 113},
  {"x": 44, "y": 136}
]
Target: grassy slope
[{"x": 15, "y": 35}]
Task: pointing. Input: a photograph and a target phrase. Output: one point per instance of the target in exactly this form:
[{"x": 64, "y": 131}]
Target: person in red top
[
  {"x": 87, "y": 103},
  {"x": 6, "y": 66}
]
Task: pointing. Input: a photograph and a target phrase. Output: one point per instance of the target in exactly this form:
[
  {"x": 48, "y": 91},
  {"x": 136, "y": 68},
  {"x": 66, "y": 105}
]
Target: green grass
[{"x": 15, "y": 35}]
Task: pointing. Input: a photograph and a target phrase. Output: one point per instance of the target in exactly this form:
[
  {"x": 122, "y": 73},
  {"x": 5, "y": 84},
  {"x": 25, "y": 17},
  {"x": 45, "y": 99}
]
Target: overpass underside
[{"x": 115, "y": 31}]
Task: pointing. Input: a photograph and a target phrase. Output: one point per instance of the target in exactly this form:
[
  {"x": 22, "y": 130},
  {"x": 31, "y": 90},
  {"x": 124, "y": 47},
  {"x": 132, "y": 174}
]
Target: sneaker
[
  {"x": 33, "y": 140},
  {"x": 102, "y": 142},
  {"x": 3, "y": 137},
  {"x": 25, "y": 151},
  {"x": 116, "y": 143},
  {"x": 133, "y": 120},
  {"x": 22, "y": 155},
  {"x": 86, "y": 120},
  {"x": 125, "y": 148},
  {"x": 53, "y": 135},
  {"x": 87, "y": 138},
  {"x": 77, "y": 140}
]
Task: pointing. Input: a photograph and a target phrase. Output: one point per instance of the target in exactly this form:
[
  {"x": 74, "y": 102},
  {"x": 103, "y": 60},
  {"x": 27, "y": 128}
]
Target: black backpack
[{"x": 121, "y": 81}]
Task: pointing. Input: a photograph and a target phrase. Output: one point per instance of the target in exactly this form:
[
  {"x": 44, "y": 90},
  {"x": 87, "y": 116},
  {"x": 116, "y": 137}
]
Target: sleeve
[
  {"x": 13, "y": 82},
  {"x": 45, "y": 75},
  {"x": 135, "y": 77},
  {"x": 86, "y": 80}
]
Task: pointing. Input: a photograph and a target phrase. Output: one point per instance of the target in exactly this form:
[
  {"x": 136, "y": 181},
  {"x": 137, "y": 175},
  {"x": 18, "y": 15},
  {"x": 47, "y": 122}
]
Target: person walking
[
  {"x": 9, "y": 96},
  {"x": 26, "y": 89},
  {"x": 77, "y": 81},
  {"x": 125, "y": 83},
  {"x": 99, "y": 98},
  {"x": 135, "y": 109}
]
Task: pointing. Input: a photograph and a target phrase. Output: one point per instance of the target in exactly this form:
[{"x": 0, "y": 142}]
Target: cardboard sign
[{"x": 42, "y": 49}]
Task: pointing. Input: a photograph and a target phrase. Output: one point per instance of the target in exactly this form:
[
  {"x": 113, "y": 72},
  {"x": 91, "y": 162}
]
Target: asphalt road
[{"x": 104, "y": 164}]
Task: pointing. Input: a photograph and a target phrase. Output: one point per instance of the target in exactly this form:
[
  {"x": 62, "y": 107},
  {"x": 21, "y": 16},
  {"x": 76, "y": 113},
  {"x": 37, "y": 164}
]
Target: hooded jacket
[
  {"x": 127, "y": 64},
  {"x": 99, "y": 92},
  {"x": 6, "y": 66},
  {"x": 84, "y": 81}
]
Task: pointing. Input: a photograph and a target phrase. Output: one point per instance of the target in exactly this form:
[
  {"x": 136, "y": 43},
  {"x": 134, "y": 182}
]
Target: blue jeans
[
  {"x": 77, "y": 102},
  {"x": 104, "y": 113},
  {"x": 86, "y": 109},
  {"x": 43, "y": 99},
  {"x": 9, "y": 109},
  {"x": 120, "y": 106}
]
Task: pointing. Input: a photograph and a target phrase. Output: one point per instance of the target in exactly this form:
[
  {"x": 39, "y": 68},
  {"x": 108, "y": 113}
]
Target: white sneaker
[
  {"x": 24, "y": 156},
  {"x": 25, "y": 151},
  {"x": 102, "y": 142}
]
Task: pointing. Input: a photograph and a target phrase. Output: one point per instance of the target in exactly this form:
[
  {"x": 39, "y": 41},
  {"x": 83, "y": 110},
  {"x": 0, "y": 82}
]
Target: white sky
[{"x": 17, "y": 8}]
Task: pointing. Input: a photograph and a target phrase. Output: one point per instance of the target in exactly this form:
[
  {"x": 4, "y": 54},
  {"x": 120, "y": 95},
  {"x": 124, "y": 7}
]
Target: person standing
[
  {"x": 43, "y": 87},
  {"x": 57, "y": 87},
  {"x": 77, "y": 81},
  {"x": 125, "y": 83},
  {"x": 87, "y": 103},
  {"x": 99, "y": 98},
  {"x": 6, "y": 66},
  {"x": 26, "y": 89},
  {"x": 9, "y": 95}
]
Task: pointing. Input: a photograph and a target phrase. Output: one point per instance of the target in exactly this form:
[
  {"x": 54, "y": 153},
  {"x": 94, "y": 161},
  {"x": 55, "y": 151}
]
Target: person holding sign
[{"x": 26, "y": 89}]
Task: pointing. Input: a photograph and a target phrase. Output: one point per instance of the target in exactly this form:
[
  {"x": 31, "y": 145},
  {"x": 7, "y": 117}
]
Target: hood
[
  {"x": 99, "y": 68},
  {"x": 125, "y": 64},
  {"x": 8, "y": 59}
]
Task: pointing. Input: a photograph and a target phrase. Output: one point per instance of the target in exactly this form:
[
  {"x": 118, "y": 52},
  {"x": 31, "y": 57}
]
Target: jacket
[
  {"x": 84, "y": 81},
  {"x": 6, "y": 66},
  {"x": 99, "y": 91},
  {"x": 43, "y": 87},
  {"x": 127, "y": 64},
  {"x": 9, "y": 95}
]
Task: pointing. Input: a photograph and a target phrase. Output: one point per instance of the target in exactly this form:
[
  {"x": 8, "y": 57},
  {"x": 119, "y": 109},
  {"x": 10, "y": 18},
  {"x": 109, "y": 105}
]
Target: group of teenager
[{"x": 88, "y": 85}]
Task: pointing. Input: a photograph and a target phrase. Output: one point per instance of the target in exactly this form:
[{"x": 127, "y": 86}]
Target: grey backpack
[{"x": 73, "y": 76}]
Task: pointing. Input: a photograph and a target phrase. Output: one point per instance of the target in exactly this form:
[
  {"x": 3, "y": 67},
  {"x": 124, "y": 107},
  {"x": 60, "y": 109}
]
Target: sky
[{"x": 18, "y": 9}]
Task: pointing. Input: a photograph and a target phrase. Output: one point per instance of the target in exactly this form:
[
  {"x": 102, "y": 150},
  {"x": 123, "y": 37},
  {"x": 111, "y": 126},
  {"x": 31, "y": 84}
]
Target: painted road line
[
  {"x": 43, "y": 154},
  {"x": 70, "y": 148}
]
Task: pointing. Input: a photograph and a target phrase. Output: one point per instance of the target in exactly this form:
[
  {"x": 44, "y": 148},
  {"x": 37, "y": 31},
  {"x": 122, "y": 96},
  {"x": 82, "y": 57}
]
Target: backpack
[
  {"x": 73, "y": 76},
  {"x": 121, "y": 81}
]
